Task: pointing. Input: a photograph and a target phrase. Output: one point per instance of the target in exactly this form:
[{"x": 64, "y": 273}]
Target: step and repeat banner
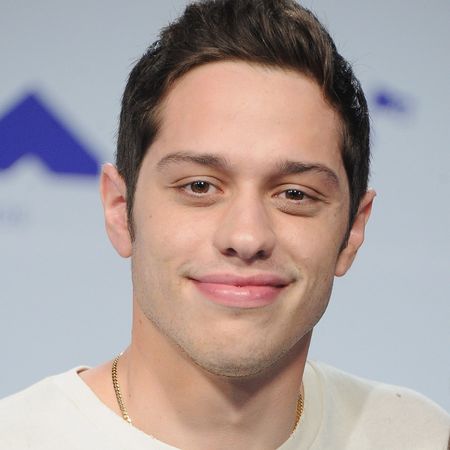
[{"x": 65, "y": 296}]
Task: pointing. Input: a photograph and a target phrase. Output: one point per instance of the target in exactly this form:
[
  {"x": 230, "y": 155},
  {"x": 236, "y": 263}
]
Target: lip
[{"x": 241, "y": 292}]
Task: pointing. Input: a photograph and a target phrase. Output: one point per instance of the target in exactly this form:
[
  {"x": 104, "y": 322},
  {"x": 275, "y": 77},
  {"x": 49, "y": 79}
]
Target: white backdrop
[{"x": 65, "y": 296}]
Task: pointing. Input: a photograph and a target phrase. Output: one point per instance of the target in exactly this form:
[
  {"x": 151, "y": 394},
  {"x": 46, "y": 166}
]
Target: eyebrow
[
  {"x": 283, "y": 168},
  {"x": 204, "y": 159},
  {"x": 295, "y": 167}
]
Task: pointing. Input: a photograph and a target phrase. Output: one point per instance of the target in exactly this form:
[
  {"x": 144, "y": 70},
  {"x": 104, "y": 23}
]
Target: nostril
[{"x": 261, "y": 254}]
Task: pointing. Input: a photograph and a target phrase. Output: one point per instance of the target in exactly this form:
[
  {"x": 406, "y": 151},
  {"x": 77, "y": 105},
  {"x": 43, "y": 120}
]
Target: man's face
[{"x": 240, "y": 211}]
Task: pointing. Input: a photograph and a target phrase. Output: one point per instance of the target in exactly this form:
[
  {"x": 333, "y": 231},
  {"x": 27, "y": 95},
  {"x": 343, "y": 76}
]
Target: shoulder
[
  {"x": 391, "y": 416},
  {"x": 36, "y": 415}
]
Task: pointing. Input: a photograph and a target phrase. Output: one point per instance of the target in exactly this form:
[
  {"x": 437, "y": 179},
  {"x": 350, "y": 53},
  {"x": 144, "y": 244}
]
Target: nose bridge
[{"x": 245, "y": 230}]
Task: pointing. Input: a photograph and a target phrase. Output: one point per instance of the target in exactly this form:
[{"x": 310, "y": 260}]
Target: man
[{"x": 240, "y": 193}]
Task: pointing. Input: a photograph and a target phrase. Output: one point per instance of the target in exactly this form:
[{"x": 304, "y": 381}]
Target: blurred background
[{"x": 65, "y": 296}]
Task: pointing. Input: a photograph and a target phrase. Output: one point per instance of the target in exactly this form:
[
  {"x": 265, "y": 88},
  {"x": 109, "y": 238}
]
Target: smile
[{"x": 241, "y": 292}]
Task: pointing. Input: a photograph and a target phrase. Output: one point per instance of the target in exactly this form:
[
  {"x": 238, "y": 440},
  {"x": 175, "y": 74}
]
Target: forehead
[{"x": 249, "y": 114}]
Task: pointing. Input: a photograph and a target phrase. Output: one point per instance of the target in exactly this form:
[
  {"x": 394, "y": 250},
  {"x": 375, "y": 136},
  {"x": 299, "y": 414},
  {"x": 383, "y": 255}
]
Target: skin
[{"x": 198, "y": 374}]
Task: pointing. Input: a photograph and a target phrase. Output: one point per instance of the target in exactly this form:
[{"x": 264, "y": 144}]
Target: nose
[{"x": 245, "y": 231}]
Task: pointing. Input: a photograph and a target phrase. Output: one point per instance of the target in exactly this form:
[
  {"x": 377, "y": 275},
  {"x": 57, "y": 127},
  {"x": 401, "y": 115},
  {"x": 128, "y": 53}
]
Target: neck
[{"x": 173, "y": 399}]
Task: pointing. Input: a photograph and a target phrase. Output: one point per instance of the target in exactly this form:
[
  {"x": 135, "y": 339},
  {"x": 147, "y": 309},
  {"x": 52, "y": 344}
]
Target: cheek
[
  {"x": 167, "y": 233},
  {"x": 313, "y": 244}
]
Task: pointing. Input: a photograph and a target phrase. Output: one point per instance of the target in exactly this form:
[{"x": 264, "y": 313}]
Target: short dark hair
[{"x": 274, "y": 33}]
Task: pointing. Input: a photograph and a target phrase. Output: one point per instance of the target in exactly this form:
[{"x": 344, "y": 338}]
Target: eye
[
  {"x": 293, "y": 200},
  {"x": 294, "y": 194},
  {"x": 198, "y": 188}
]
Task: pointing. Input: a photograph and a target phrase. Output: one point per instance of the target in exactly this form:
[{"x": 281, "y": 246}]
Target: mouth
[{"x": 241, "y": 292}]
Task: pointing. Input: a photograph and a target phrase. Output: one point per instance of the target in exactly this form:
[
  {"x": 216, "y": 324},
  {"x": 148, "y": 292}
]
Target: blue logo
[
  {"x": 388, "y": 100},
  {"x": 31, "y": 128}
]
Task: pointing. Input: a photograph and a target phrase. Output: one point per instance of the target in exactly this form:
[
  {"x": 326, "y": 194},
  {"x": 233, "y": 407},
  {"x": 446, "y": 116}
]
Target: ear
[
  {"x": 114, "y": 198},
  {"x": 356, "y": 236}
]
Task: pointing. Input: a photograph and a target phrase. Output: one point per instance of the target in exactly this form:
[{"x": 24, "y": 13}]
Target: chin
[
  {"x": 233, "y": 369},
  {"x": 246, "y": 364}
]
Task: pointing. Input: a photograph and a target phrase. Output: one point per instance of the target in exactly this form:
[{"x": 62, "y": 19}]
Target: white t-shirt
[{"x": 342, "y": 412}]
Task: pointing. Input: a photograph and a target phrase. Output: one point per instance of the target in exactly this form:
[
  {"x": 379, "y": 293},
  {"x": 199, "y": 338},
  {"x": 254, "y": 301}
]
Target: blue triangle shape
[{"x": 30, "y": 127}]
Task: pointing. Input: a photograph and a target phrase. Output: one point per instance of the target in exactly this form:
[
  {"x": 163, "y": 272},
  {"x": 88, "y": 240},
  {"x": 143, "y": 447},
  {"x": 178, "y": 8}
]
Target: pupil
[
  {"x": 294, "y": 194},
  {"x": 200, "y": 187}
]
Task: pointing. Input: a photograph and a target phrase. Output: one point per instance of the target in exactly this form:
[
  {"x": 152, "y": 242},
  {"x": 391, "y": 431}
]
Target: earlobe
[
  {"x": 113, "y": 194},
  {"x": 356, "y": 236}
]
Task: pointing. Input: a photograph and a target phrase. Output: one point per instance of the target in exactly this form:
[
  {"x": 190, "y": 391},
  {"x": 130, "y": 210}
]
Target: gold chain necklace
[
  {"x": 124, "y": 412},
  {"x": 115, "y": 381}
]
